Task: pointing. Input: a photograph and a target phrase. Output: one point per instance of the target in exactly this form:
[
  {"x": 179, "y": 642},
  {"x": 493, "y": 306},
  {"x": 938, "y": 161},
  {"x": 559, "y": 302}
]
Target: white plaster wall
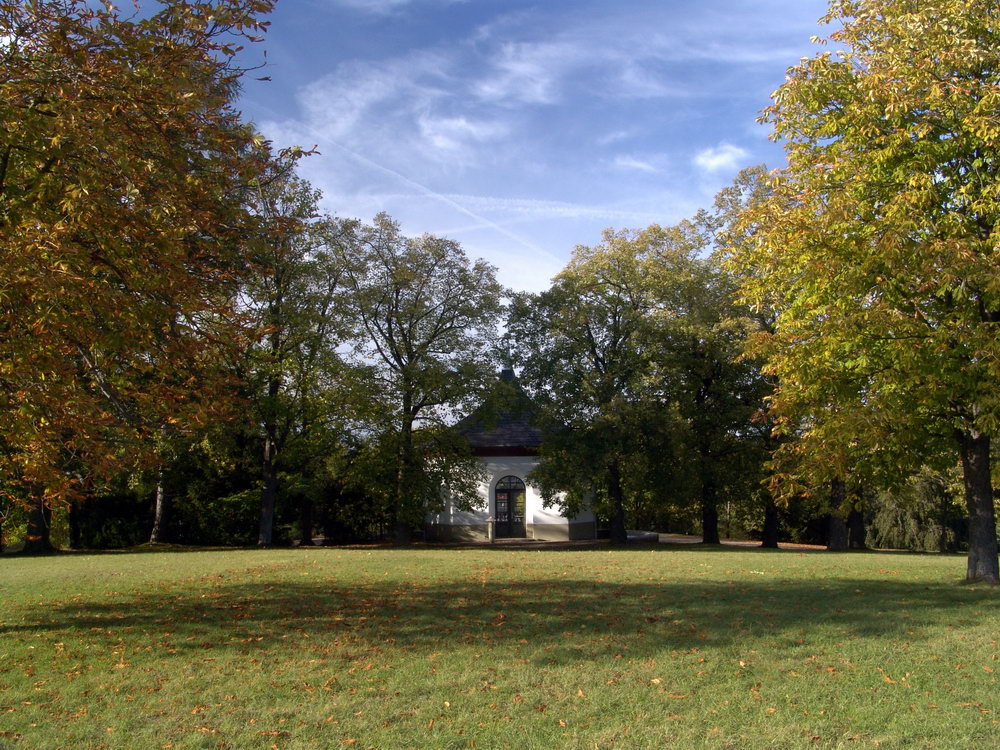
[
  {"x": 498, "y": 467},
  {"x": 452, "y": 517}
]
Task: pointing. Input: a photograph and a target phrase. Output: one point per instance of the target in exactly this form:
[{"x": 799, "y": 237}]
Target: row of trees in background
[
  {"x": 360, "y": 346},
  {"x": 193, "y": 352},
  {"x": 634, "y": 356},
  {"x": 176, "y": 312}
]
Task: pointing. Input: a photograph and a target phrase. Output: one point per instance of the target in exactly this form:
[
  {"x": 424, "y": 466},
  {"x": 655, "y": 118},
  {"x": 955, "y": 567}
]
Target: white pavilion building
[{"x": 508, "y": 444}]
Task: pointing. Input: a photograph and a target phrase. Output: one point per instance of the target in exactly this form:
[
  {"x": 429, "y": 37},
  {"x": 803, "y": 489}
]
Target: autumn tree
[
  {"x": 878, "y": 249},
  {"x": 121, "y": 167},
  {"x": 427, "y": 320}
]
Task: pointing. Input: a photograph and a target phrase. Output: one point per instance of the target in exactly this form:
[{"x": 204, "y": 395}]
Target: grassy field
[{"x": 493, "y": 648}]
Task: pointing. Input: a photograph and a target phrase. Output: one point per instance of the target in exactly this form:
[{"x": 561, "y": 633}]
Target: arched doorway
[{"x": 508, "y": 507}]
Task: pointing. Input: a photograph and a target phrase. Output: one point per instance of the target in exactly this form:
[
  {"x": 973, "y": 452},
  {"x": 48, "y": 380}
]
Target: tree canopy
[
  {"x": 877, "y": 248},
  {"x": 122, "y": 163},
  {"x": 632, "y": 354},
  {"x": 426, "y": 322}
]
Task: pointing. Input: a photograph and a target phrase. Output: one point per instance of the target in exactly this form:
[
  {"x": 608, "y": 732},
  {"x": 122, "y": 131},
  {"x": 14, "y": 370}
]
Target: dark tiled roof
[
  {"x": 506, "y": 430},
  {"x": 507, "y": 427}
]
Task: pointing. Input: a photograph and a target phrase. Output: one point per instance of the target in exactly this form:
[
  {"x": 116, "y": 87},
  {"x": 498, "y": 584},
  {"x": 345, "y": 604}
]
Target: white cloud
[
  {"x": 382, "y": 7},
  {"x": 549, "y": 209},
  {"x": 632, "y": 163},
  {"x": 454, "y": 133},
  {"x": 405, "y": 110},
  {"x": 528, "y": 72},
  {"x": 615, "y": 136},
  {"x": 638, "y": 80},
  {"x": 725, "y": 156}
]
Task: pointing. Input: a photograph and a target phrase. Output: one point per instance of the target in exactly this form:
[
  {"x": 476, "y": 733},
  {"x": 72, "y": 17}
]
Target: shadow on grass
[{"x": 555, "y": 622}]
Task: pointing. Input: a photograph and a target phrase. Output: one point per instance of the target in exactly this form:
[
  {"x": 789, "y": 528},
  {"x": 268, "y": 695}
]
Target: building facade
[{"x": 507, "y": 441}]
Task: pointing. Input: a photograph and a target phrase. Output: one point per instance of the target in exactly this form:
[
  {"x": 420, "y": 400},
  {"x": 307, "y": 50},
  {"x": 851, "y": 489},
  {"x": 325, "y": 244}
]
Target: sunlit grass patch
[{"x": 495, "y": 648}]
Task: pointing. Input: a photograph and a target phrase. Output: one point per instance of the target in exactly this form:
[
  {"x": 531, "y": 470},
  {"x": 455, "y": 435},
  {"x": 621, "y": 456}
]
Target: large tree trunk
[
  {"x": 770, "y": 536},
  {"x": 39, "y": 525},
  {"x": 75, "y": 535},
  {"x": 710, "y": 525},
  {"x": 856, "y": 529},
  {"x": 159, "y": 511},
  {"x": 402, "y": 528},
  {"x": 268, "y": 492},
  {"x": 619, "y": 534},
  {"x": 306, "y": 522},
  {"x": 983, "y": 563},
  {"x": 837, "y": 538}
]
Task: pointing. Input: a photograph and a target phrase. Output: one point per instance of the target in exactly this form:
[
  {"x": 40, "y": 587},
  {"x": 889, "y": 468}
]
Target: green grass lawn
[{"x": 492, "y": 648}]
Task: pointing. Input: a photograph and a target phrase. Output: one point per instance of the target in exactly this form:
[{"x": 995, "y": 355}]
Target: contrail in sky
[{"x": 443, "y": 199}]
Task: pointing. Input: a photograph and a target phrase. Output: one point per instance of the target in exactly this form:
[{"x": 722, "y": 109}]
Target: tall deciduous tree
[
  {"x": 699, "y": 336},
  {"x": 121, "y": 167},
  {"x": 428, "y": 320},
  {"x": 878, "y": 247},
  {"x": 291, "y": 296},
  {"x": 633, "y": 353},
  {"x": 585, "y": 346}
]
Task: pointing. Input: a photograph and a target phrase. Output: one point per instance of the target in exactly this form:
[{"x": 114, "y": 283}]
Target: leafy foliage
[
  {"x": 925, "y": 514},
  {"x": 582, "y": 344},
  {"x": 426, "y": 319},
  {"x": 122, "y": 164},
  {"x": 633, "y": 354},
  {"x": 292, "y": 299},
  {"x": 877, "y": 248}
]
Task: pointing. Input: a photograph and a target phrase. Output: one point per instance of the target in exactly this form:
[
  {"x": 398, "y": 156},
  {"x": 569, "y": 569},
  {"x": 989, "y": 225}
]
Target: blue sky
[{"x": 522, "y": 129}]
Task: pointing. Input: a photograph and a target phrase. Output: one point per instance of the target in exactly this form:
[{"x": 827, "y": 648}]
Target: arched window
[{"x": 508, "y": 507}]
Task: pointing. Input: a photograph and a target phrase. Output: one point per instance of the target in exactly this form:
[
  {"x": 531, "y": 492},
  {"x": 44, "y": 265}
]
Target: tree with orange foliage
[{"x": 122, "y": 163}]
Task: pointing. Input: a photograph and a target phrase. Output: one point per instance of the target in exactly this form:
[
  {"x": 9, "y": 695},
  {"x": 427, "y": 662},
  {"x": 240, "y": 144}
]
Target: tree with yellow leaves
[{"x": 878, "y": 248}]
